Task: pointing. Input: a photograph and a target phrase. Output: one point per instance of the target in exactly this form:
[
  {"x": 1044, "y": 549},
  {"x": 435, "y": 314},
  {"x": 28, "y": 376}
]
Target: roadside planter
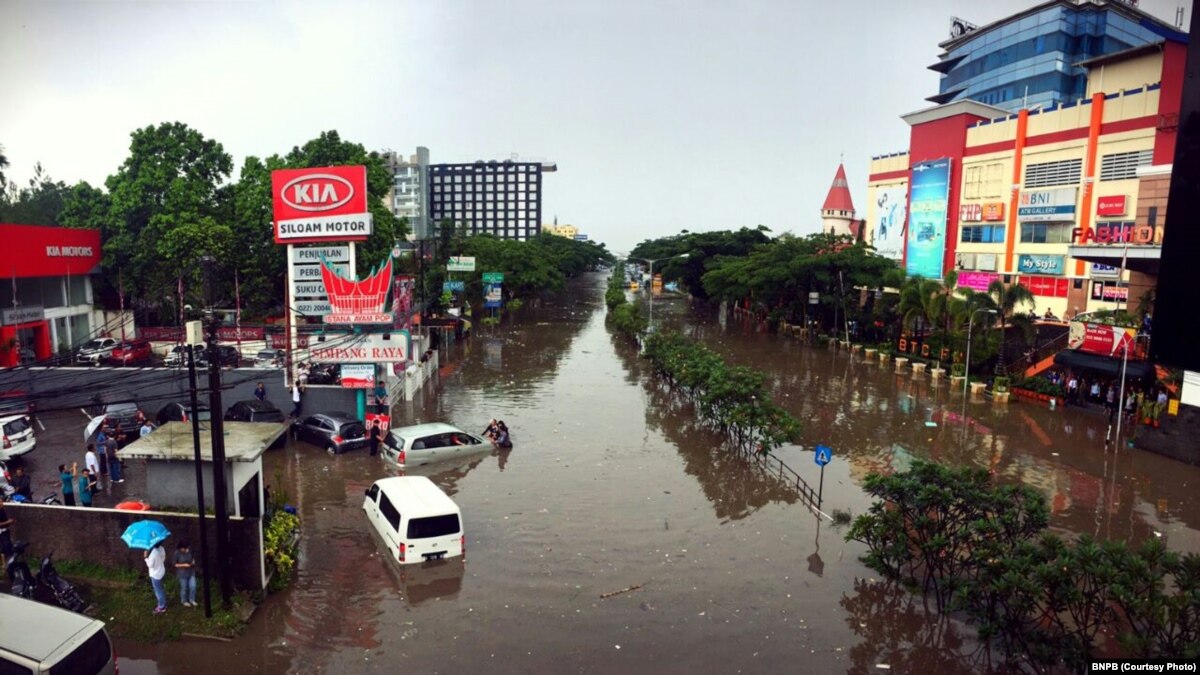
[
  {"x": 1000, "y": 390},
  {"x": 977, "y": 388},
  {"x": 918, "y": 368},
  {"x": 1049, "y": 399},
  {"x": 870, "y": 353},
  {"x": 938, "y": 373},
  {"x": 900, "y": 363}
]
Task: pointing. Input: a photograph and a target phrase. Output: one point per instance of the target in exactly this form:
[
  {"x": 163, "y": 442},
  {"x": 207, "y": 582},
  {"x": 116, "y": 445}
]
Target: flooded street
[{"x": 614, "y": 486}]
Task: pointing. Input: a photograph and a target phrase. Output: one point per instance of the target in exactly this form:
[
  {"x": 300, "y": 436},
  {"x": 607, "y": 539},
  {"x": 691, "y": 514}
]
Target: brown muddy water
[{"x": 614, "y": 485}]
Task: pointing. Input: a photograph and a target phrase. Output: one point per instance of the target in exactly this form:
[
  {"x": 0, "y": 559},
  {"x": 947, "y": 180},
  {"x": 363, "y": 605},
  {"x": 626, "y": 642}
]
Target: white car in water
[{"x": 425, "y": 443}]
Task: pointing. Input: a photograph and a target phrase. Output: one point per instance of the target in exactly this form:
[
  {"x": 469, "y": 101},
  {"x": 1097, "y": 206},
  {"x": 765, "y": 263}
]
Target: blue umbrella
[{"x": 145, "y": 534}]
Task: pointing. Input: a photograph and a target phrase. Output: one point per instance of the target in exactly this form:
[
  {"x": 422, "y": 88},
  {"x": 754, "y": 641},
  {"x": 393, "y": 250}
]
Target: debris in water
[{"x": 623, "y": 590}]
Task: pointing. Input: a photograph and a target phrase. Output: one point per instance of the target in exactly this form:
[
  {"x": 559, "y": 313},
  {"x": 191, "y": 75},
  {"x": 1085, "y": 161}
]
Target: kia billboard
[{"x": 320, "y": 204}]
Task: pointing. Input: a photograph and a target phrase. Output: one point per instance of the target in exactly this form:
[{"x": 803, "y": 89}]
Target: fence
[{"x": 772, "y": 465}]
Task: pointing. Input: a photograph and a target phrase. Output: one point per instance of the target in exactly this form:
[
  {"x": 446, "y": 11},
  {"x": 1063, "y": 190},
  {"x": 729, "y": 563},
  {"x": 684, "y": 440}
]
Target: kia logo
[{"x": 317, "y": 192}]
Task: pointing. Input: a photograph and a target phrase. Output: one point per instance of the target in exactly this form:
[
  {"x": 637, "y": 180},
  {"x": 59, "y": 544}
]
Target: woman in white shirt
[{"x": 156, "y": 559}]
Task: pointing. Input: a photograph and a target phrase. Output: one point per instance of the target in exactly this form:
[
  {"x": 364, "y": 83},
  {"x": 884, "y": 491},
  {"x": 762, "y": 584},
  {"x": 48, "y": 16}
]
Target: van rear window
[
  {"x": 17, "y": 426},
  {"x": 90, "y": 658},
  {"x": 436, "y": 526}
]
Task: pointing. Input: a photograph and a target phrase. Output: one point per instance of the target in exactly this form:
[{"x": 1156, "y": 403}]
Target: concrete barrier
[
  {"x": 918, "y": 368},
  {"x": 977, "y": 388},
  {"x": 900, "y": 363}
]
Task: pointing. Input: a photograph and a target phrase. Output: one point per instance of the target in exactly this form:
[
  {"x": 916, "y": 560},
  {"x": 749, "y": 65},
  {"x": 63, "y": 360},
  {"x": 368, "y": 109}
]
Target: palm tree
[
  {"x": 918, "y": 303},
  {"x": 1005, "y": 300}
]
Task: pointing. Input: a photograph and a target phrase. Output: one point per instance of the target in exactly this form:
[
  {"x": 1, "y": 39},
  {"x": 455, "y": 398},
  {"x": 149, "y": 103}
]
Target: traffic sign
[
  {"x": 454, "y": 285},
  {"x": 824, "y": 454},
  {"x": 493, "y": 277}
]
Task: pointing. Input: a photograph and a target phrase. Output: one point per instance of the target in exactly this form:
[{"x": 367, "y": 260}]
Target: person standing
[
  {"x": 297, "y": 395},
  {"x": 67, "y": 478},
  {"x": 373, "y": 438},
  {"x": 185, "y": 571},
  {"x": 156, "y": 559},
  {"x": 260, "y": 392},
  {"x": 90, "y": 461},
  {"x": 114, "y": 462},
  {"x": 21, "y": 484},
  {"x": 146, "y": 429},
  {"x": 85, "y": 485}
]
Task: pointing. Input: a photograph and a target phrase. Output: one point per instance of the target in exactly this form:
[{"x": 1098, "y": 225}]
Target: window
[
  {"x": 1122, "y": 165},
  {"x": 974, "y": 176},
  {"x": 90, "y": 657},
  {"x": 434, "y": 526},
  {"x": 389, "y": 512},
  {"x": 994, "y": 180},
  {"x": 1046, "y": 233},
  {"x": 1047, "y": 174},
  {"x": 983, "y": 234}
]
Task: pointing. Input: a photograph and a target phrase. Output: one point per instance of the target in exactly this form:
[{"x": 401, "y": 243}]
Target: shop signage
[
  {"x": 1097, "y": 338},
  {"x": 993, "y": 211},
  {"x": 492, "y": 295},
  {"x": 581, "y": 237},
  {"x": 976, "y": 281},
  {"x": 308, "y": 289},
  {"x": 311, "y": 255},
  {"x": 970, "y": 212},
  {"x": 928, "y": 207},
  {"x": 964, "y": 261},
  {"x": 362, "y": 348},
  {"x": 814, "y": 298},
  {"x": 1111, "y": 206},
  {"x": 985, "y": 261},
  {"x": 358, "y": 375},
  {"x": 1040, "y": 264},
  {"x": 320, "y": 204},
  {"x": 176, "y": 334},
  {"x": 24, "y": 314},
  {"x": 1101, "y": 270},
  {"x": 1050, "y": 287},
  {"x": 1126, "y": 232},
  {"x": 888, "y": 214},
  {"x": 354, "y": 301},
  {"x": 1047, "y": 205},
  {"x": 460, "y": 264},
  {"x": 29, "y": 251},
  {"x": 1110, "y": 291},
  {"x": 313, "y": 272},
  {"x": 69, "y": 252},
  {"x": 453, "y": 286},
  {"x": 493, "y": 277},
  {"x": 312, "y": 307}
]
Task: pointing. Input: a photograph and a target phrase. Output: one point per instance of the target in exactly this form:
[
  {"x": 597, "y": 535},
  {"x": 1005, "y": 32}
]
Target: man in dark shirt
[{"x": 21, "y": 483}]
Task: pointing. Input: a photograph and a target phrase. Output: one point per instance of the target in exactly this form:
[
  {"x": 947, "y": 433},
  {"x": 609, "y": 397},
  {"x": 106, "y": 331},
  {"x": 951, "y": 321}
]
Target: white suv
[
  {"x": 95, "y": 351},
  {"x": 16, "y": 437}
]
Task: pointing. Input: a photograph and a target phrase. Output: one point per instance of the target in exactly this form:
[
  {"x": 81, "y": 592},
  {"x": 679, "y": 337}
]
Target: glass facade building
[{"x": 1031, "y": 58}]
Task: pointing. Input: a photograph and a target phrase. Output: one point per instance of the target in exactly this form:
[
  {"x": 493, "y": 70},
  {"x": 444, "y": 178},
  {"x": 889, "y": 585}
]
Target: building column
[
  {"x": 1089, "y": 172},
  {"x": 1010, "y": 237}
]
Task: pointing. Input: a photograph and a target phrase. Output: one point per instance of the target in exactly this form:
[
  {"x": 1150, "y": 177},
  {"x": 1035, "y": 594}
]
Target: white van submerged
[{"x": 416, "y": 520}]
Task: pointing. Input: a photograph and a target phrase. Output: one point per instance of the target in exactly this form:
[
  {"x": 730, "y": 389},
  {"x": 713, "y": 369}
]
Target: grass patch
[{"x": 124, "y": 600}]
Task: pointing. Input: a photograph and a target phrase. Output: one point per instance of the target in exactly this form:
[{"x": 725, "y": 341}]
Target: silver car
[
  {"x": 95, "y": 351},
  {"x": 425, "y": 443}
]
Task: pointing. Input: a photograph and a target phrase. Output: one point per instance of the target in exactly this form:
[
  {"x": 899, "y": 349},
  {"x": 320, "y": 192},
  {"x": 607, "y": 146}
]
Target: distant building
[
  {"x": 837, "y": 213},
  {"x": 501, "y": 198},
  {"x": 407, "y": 196},
  {"x": 1034, "y": 57},
  {"x": 568, "y": 231}
]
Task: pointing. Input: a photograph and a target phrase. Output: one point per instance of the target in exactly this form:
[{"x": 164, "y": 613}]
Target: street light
[
  {"x": 967, "y": 365},
  {"x": 651, "y": 263}
]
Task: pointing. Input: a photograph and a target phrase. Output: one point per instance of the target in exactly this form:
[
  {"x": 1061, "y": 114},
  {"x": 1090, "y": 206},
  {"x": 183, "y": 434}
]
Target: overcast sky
[{"x": 661, "y": 116}]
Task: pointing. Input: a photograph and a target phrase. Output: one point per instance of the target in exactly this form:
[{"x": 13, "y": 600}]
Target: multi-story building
[
  {"x": 502, "y": 198},
  {"x": 407, "y": 196},
  {"x": 1068, "y": 200},
  {"x": 568, "y": 231},
  {"x": 1035, "y": 57}
]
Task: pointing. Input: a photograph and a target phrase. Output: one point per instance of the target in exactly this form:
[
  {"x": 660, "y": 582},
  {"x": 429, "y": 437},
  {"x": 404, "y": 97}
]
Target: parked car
[
  {"x": 425, "y": 443},
  {"x": 48, "y": 640},
  {"x": 95, "y": 351},
  {"x": 228, "y": 356},
  {"x": 16, "y": 436},
  {"x": 416, "y": 520},
  {"x": 124, "y": 416},
  {"x": 253, "y": 411},
  {"x": 136, "y": 352},
  {"x": 181, "y": 411},
  {"x": 336, "y": 432},
  {"x": 269, "y": 358},
  {"x": 177, "y": 357}
]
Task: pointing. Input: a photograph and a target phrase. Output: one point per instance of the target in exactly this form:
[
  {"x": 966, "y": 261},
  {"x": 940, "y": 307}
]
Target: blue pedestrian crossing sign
[{"x": 824, "y": 454}]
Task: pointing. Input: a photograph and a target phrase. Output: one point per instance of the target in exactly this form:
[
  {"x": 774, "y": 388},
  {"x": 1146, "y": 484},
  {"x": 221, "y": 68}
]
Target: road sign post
[{"x": 823, "y": 455}]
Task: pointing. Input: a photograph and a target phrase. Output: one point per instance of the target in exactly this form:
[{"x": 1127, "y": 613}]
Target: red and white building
[{"x": 46, "y": 304}]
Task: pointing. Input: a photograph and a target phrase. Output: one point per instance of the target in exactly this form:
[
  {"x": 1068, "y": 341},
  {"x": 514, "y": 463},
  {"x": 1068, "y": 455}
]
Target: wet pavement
[{"x": 614, "y": 486}]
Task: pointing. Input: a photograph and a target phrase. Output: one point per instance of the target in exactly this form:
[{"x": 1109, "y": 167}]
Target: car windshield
[
  {"x": 266, "y": 355},
  {"x": 121, "y": 409},
  {"x": 92, "y": 344},
  {"x": 393, "y": 441},
  {"x": 16, "y": 426}
]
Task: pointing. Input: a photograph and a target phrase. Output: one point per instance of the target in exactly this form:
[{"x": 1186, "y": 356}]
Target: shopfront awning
[
  {"x": 1142, "y": 259},
  {"x": 1103, "y": 365}
]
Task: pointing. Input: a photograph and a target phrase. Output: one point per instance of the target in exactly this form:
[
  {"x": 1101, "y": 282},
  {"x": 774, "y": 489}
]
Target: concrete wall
[
  {"x": 94, "y": 535},
  {"x": 173, "y": 484}
]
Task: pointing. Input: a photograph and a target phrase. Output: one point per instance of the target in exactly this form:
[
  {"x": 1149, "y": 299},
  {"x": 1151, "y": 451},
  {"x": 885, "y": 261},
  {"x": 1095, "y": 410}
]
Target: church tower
[{"x": 837, "y": 214}]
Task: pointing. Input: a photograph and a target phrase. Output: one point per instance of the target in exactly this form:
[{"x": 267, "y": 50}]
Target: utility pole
[
  {"x": 220, "y": 490},
  {"x": 194, "y": 340}
]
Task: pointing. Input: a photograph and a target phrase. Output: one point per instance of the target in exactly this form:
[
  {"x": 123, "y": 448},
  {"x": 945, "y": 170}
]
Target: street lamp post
[
  {"x": 967, "y": 364},
  {"x": 651, "y": 263}
]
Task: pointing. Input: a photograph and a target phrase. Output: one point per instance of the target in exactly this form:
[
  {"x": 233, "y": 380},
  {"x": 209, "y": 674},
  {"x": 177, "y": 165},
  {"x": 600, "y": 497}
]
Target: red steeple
[{"x": 838, "y": 198}]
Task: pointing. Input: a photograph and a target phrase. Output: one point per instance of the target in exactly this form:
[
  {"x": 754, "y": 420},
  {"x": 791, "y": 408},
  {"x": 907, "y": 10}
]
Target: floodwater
[{"x": 619, "y": 537}]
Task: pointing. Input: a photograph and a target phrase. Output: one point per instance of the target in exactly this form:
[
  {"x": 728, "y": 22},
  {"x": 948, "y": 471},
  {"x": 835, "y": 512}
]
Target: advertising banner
[
  {"x": 888, "y": 219},
  {"x": 976, "y": 281},
  {"x": 358, "y": 301},
  {"x": 320, "y": 204},
  {"x": 1040, "y": 264},
  {"x": 1111, "y": 206},
  {"x": 926, "y": 241},
  {"x": 311, "y": 255},
  {"x": 362, "y": 348},
  {"x": 493, "y": 277},
  {"x": 985, "y": 261},
  {"x": 1051, "y": 287},
  {"x": 175, "y": 333},
  {"x": 460, "y": 264},
  {"x": 964, "y": 261},
  {"x": 358, "y": 376},
  {"x": 382, "y": 420},
  {"x": 313, "y": 272},
  {"x": 36, "y": 251},
  {"x": 1102, "y": 270},
  {"x": 1126, "y": 232},
  {"x": 1110, "y": 291},
  {"x": 402, "y": 300},
  {"x": 970, "y": 212},
  {"x": 454, "y": 286},
  {"x": 993, "y": 212},
  {"x": 1047, "y": 205},
  {"x": 1097, "y": 338},
  {"x": 492, "y": 295}
]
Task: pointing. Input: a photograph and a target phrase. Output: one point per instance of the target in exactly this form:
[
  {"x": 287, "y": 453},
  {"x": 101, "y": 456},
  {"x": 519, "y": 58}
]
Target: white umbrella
[{"x": 92, "y": 426}]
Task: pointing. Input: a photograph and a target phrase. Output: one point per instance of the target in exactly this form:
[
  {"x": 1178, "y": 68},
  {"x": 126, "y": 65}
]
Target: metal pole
[
  {"x": 1121, "y": 396},
  {"x": 199, "y": 477},
  {"x": 217, "y": 427},
  {"x": 821, "y": 488},
  {"x": 967, "y": 363}
]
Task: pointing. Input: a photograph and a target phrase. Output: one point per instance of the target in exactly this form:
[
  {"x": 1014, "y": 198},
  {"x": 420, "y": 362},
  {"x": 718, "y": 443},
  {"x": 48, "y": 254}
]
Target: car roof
[
  {"x": 5, "y": 419},
  {"x": 255, "y": 404},
  {"x": 123, "y": 405},
  {"x": 337, "y": 416},
  {"x": 417, "y": 496},
  {"x": 36, "y": 630},
  {"x": 423, "y": 429}
]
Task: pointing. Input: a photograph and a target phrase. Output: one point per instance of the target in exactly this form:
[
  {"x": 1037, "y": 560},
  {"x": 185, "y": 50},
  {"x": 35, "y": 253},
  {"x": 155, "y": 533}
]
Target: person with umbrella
[{"x": 149, "y": 536}]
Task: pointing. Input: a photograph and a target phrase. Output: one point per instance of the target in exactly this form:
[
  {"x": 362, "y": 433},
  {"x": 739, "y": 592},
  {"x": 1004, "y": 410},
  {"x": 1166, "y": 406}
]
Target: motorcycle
[
  {"x": 19, "y": 574},
  {"x": 49, "y": 500},
  {"x": 64, "y": 591}
]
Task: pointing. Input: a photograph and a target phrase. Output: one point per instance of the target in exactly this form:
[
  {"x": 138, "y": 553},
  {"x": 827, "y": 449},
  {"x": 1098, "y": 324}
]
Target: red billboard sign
[
  {"x": 993, "y": 211},
  {"x": 1119, "y": 233},
  {"x": 320, "y": 204},
  {"x": 39, "y": 251},
  {"x": 970, "y": 212},
  {"x": 352, "y": 301},
  {"x": 1098, "y": 338},
  {"x": 1114, "y": 205}
]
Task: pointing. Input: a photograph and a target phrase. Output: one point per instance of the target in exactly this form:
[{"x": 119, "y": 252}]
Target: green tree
[
  {"x": 3, "y": 166},
  {"x": 40, "y": 203},
  {"x": 1006, "y": 300},
  {"x": 703, "y": 248}
]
